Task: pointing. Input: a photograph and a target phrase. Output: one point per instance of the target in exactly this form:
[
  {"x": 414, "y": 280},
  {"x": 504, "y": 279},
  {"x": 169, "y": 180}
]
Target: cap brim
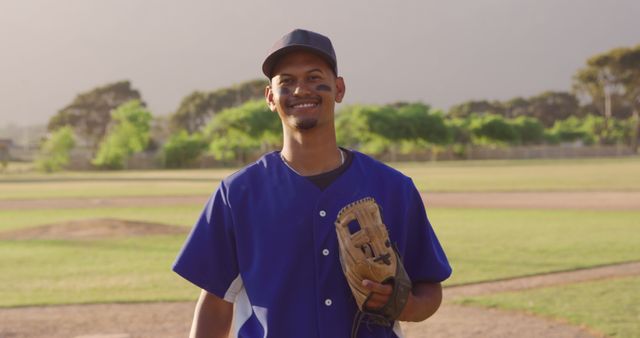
[{"x": 270, "y": 62}]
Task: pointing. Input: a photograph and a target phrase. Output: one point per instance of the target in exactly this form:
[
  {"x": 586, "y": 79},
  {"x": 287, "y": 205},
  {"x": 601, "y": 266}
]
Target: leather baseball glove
[{"x": 367, "y": 253}]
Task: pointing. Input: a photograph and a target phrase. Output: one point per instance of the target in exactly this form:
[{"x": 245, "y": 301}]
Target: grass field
[
  {"x": 621, "y": 174},
  {"x": 482, "y": 244},
  {"x": 611, "y": 307},
  {"x": 111, "y": 187},
  {"x": 40, "y": 272},
  {"x": 489, "y": 244},
  {"x": 523, "y": 175}
]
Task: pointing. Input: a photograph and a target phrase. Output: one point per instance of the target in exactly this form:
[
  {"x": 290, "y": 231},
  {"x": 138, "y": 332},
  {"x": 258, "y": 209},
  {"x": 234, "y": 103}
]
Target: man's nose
[{"x": 301, "y": 89}]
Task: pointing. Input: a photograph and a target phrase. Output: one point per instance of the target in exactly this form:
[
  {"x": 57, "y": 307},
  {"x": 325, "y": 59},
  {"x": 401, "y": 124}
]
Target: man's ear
[
  {"x": 340, "y": 89},
  {"x": 268, "y": 96}
]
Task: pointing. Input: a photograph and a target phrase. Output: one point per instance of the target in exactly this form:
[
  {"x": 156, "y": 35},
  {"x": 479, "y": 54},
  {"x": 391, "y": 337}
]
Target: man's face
[{"x": 304, "y": 91}]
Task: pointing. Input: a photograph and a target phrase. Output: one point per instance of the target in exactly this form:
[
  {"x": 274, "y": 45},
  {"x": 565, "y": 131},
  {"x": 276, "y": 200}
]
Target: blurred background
[{"x": 517, "y": 120}]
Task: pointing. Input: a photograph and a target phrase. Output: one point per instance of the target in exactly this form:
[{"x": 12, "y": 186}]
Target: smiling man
[{"x": 265, "y": 251}]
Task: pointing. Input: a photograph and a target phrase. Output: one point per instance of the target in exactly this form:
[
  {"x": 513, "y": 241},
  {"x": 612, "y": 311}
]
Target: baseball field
[{"x": 89, "y": 253}]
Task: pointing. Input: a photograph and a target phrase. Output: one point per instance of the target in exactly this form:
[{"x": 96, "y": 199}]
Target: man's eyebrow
[{"x": 309, "y": 71}]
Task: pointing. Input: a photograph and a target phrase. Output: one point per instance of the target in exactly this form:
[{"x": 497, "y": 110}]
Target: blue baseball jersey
[{"x": 266, "y": 241}]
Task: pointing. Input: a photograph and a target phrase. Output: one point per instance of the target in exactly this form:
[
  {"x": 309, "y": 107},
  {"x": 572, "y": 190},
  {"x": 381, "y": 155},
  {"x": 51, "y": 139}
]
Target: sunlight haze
[{"x": 441, "y": 53}]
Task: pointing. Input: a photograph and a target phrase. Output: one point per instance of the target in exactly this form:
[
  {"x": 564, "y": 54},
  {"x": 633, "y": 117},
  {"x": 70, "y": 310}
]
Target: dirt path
[
  {"x": 545, "y": 280},
  {"x": 455, "y": 321},
  {"x": 169, "y": 320},
  {"x": 596, "y": 200}
]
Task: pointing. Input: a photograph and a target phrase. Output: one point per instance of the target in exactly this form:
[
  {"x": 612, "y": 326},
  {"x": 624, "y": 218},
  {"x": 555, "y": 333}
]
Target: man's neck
[{"x": 310, "y": 155}]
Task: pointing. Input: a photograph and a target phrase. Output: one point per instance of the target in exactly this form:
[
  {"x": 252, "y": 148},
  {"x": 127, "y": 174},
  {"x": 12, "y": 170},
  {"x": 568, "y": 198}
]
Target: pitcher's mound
[{"x": 98, "y": 228}]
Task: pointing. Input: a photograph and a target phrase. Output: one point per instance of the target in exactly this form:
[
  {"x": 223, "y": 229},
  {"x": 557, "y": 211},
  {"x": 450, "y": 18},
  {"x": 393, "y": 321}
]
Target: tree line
[{"x": 232, "y": 124}]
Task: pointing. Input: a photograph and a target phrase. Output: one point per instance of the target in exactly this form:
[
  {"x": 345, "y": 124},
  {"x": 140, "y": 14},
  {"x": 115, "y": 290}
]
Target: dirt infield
[
  {"x": 595, "y": 200},
  {"x": 169, "y": 320},
  {"x": 100, "y": 228},
  {"x": 545, "y": 280},
  {"x": 455, "y": 321}
]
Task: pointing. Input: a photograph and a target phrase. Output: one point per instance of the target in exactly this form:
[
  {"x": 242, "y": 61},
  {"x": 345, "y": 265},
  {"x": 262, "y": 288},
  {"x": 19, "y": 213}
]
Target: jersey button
[
  {"x": 325, "y": 252},
  {"x": 323, "y": 213},
  {"x": 328, "y": 302}
]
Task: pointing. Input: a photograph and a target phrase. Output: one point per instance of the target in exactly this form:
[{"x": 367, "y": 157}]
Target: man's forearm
[
  {"x": 212, "y": 317},
  {"x": 424, "y": 301}
]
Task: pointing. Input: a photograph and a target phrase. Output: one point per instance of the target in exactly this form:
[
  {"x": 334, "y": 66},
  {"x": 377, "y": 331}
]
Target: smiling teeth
[{"x": 304, "y": 105}]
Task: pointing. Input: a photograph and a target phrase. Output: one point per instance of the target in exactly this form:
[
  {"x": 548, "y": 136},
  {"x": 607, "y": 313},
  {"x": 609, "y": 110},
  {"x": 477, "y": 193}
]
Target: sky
[{"x": 437, "y": 52}]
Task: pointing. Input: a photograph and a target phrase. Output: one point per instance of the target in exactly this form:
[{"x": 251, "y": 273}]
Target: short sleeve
[
  {"x": 208, "y": 258},
  {"x": 423, "y": 256}
]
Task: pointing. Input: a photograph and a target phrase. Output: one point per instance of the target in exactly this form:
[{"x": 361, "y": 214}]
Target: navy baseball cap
[{"x": 300, "y": 39}]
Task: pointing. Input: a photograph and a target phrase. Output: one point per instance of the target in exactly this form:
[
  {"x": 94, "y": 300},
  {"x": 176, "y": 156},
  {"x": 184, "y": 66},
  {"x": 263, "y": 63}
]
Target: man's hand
[
  {"x": 380, "y": 294},
  {"x": 424, "y": 299}
]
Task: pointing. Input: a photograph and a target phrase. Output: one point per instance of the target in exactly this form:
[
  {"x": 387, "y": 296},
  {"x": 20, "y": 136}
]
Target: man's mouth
[{"x": 304, "y": 105}]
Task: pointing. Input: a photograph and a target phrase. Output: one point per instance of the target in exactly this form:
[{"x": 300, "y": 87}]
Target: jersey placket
[
  {"x": 328, "y": 298},
  {"x": 334, "y": 299}
]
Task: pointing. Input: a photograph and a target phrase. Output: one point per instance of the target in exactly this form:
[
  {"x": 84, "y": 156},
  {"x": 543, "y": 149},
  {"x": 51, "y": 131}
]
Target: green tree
[
  {"x": 236, "y": 133},
  {"x": 529, "y": 130},
  {"x": 183, "y": 150},
  {"x": 193, "y": 113},
  {"x": 612, "y": 81},
  {"x": 90, "y": 112},
  {"x": 549, "y": 107},
  {"x": 421, "y": 128},
  {"x": 492, "y": 129},
  {"x": 128, "y": 135},
  {"x": 197, "y": 108},
  {"x": 468, "y": 108},
  {"x": 418, "y": 121},
  {"x": 515, "y": 107},
  {"x": 623, "y": 131},
  {"x": 55, "y": 152},
  {"x": 569, "y": 130},
  {"x": 367, "y": 128},
  {"x": 616, "y": 132},
  {"x": 627, "y": 68},
  {"x": 395, "y": 128}
]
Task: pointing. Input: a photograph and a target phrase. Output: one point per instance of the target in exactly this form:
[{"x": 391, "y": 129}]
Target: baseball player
[{"x": 265, "y": 250}]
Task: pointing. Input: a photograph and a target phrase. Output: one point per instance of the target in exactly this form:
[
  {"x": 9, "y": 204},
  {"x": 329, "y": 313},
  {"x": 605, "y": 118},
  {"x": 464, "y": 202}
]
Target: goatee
[{"x": 306, "y": 124}]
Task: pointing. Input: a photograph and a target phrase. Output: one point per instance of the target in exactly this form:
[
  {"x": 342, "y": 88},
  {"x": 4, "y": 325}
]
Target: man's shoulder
[
  {"x": 378, "y": 169},
  {"x": 256, "y": 171}
]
